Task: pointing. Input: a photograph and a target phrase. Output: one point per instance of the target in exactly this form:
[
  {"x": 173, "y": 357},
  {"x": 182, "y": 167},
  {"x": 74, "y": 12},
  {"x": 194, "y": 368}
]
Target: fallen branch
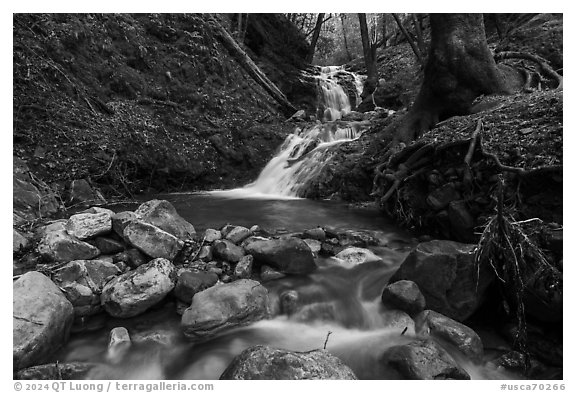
[
  {"x": 473, "y": 140},
  {"x": 327, "y": 336}
]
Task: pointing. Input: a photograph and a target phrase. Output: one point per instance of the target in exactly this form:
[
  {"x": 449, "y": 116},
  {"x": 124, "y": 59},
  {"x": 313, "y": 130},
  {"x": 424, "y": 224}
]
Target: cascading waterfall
[
  {"x": 333, "y": 96},
  {"x": 305, "y": 152},
  {"x": 302, "y": 156}
]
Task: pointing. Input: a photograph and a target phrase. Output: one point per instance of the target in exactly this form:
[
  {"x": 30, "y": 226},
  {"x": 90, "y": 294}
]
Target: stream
[{"x": 339, "y": 307}]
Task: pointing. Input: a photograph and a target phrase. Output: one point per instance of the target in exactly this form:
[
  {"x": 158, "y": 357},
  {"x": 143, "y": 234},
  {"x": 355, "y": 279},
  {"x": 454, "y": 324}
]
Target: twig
[
  {"x": 327, "y": 336},
  {"x": 473, "y": 140}
]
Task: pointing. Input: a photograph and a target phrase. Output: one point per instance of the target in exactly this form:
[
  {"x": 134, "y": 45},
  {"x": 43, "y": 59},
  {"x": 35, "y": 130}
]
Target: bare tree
[
  {"x": 369, "y": 47},
  {"x": 316, "y": 34}
]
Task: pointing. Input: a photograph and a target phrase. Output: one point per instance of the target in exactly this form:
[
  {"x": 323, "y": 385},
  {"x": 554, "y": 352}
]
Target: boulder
[
  {"x": 238, "y": 234},
  {"x": 422, "y": 359},
  {"x": 290, "y": 256},
  {"x": 87, "y": 225},
  {"x": 82, "y": 193},
  {"x": 225, "y": 306},
  {"x": 315, "y": 245},
  {"x": 121, "y": 220},
  {"x": 350, "y": 238},
  {"x": 243, "y": 268},
  {"x": 164, "y": 216},
  {"x": 19, "y": 241},
  {"x": 289, "y": 301},
  {"x": 261, "y": 362},
  {"x": 404, "y": 295},
  {"x": 315, "y": 234},
  {"x": 445, "y": 273},
  {"x": 118, "y": 344},
  {"x": 42, "y": 318},
  {"x": 57, "y": 371},
  {"x": 354, "y": 256},
  {"x": 211, "y": 235},
  {"x": 189, "y": 283},
  {"x": 58, "y": 246},
  {"x": 227, "y": 251},
  {"x": 152, "y": 240},
  {"x": 82, "y": 282},
  {"x": 136, "y": 291},
  {"x": 454, "y": 333}
]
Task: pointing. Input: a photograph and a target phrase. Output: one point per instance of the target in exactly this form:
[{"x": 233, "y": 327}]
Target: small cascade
[
  {"x": 301, "y": 157},
  {"x": 333, "y": 98}
]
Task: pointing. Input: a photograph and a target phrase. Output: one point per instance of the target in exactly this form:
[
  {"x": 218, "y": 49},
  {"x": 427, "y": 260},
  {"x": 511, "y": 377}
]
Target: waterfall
[
  {"x": 302, "y": 155},
  {"x": 305, "y": 152},
  {"x": 333, "y": 98}
]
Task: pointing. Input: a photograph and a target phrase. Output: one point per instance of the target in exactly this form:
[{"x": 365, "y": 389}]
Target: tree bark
[
  {"x": 251, "y": 68},
  {"x": 315, "y": 36},
  {"x": 460, "y": 68},
  {"x": 370, "y": 59}
]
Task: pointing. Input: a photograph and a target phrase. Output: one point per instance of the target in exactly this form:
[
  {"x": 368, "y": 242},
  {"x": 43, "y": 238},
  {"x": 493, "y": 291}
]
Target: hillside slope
[{"x": 136, "y": 103}]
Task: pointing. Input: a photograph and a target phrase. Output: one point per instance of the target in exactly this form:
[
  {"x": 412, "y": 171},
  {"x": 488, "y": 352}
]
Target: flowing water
[{"x": 338, "y": 306}]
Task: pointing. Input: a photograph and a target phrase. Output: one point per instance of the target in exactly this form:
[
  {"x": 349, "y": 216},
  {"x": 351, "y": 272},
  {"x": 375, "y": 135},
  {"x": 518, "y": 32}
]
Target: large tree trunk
[
  {"x": 251, "y": 68},
  {"x": 315, "y": 36},
  {"x": 460, "y": 68},
  {"x": 348, "y": 55},
  {"x": 370, "y": 58}
]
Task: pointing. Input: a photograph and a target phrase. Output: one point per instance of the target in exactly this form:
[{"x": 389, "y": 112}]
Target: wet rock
[
  {"x": 211, "y": 235},
  {"x": 118, "y": 344},
  {"x": 225, "y": 306},
  {"x": 422, "y": 359},
  {"x": 315, "y": 234},
  {"x": 107, "y": 245},
  {"x": 331, "y": 247},
  {"x": 57, "y": 371},
  {"x": 355, "y": 256},
  {"x": 82, "y": 193},
  {"x": 163, "y": 215},
  {"x": 227, "y": 251},
  {"x": 190, "y": 283},
  {"x": 290, "y": 256},
  {"x": 404, "y": 295},
  {"x": 357, "y": 239},
  {"x": 445, "y": 273},
  {"x": 19, "y": 241},
  {"x": 89, "y": 323},
  {"x": 244, "y": 267},
  {"x": 42, "y": 318},
  {"x": 441, "y": 197},
  {"x": 454, "y": 333},
  {"x": 152, "y": 240},
  {"x": 205, "y": 254},
  {"x": 121, "y": 220},
  {"x": 82, "y": 282},
  {"x": 238, "y": 234},
  {"x": 136, "y": 291},
  {"x": 268, "y": 273},
  {"x": 298, "y": 116},
  {"x": 86, "y": 225},
  {"x": 289, "y": 301},
  {"x": 398, "y": 320},
  {"x": 225, "y": 230},
  {"x": 261, "y": 362},
  {"x": 58, "y": 246},
  {"x": 322, "y": 311},
  {"x": 315, "y": 245}
]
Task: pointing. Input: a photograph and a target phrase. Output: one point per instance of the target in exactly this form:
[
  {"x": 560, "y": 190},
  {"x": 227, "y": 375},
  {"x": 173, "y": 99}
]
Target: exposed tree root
[{"x": 546, "y": 69}]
